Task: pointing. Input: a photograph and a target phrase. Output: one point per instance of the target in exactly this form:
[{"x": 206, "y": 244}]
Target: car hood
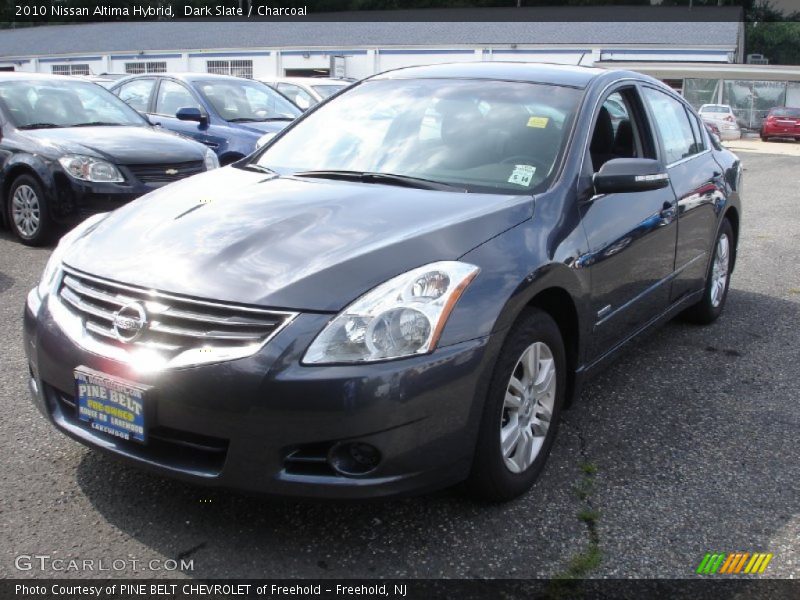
[
  {"x": 121, "y": 145},
  {"x": 315, "y": 245}
]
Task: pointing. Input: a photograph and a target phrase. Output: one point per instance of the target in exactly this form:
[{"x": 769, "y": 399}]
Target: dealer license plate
[{"x": 111, "y": 405}]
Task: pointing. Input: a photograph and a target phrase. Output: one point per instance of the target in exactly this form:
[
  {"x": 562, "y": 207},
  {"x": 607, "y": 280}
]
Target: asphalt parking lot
[{"x": 687, "y": 445}]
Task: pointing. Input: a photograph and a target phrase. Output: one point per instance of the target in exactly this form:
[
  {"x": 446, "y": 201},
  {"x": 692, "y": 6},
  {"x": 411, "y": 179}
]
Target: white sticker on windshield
[{"x": 522, "y": 175}]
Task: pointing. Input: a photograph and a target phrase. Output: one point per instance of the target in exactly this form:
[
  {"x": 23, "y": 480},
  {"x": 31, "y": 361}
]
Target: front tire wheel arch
[
  {"x": 490, "y": 479},
  {"x": 46, "y": 226}
]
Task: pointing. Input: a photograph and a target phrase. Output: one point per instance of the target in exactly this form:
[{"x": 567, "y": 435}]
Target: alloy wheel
[
  {"x": 25, "y": 211},
  {"x": 528, "y": 407},
  {"x": 719, "y": 270}
]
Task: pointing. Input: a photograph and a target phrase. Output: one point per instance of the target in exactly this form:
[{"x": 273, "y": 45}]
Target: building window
[
  {"x": 237, "y": 68},
  {"x": 70, "y": 70},
  {"x": 142, "y": 68}
]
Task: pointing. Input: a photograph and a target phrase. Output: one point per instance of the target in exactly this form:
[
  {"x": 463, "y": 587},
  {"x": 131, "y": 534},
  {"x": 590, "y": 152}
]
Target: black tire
[
  {"x": 706, "y": 311},
  {"x": 490, "y": 478},
  {"x": 764, "y": 138},
  {"x": 41, "y": 234}
]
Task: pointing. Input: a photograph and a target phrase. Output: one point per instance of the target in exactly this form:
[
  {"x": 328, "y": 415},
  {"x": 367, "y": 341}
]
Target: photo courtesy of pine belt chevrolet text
[{"x": 401, "y": 290}]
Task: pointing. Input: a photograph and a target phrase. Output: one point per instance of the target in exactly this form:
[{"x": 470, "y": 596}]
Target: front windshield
[
  {"x": 47, "y": 103},
  {"x": 492, "y": 136},
  {"x": 243, "y": 100},
  {"x": 327, "y": 90}
]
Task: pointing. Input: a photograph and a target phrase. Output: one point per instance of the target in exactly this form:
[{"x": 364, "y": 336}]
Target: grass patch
[{"x": 584, "y": 562}]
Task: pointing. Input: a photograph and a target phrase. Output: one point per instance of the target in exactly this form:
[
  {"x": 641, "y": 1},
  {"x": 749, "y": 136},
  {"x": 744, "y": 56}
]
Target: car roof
[
  {"x": 191, "y": 76},
  {"x": 504, "y": 71},
  {"x": 309, "y": 80},
  {"x": 24, "y": 76}
]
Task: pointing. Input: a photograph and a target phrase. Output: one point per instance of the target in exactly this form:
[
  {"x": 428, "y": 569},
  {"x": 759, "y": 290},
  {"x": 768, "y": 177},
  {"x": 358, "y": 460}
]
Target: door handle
[{"x": 667, "y": 211}]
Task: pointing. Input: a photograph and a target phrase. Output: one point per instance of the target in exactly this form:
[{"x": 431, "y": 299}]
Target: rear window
[
  {"x": 785, "y": 112},
  {"x": 327, "y": 90},
  {"x": 716, "y": 108}
]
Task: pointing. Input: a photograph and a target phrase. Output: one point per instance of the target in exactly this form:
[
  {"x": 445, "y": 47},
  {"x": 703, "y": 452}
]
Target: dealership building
[{"x": 704, "y": 59}]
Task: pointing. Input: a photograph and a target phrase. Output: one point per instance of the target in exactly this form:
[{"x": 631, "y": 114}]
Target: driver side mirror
[
  {"x": 191, "y": 114},
  {"x": 624, "y": 175}
]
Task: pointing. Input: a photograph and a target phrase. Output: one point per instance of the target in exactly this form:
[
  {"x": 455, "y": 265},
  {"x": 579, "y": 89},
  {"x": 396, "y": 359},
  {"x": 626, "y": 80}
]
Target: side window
[
  {"x": 173, "y": 96},
  {"x": 697, "y": 131},
  {"x": 673, "y": 124},
  {"x": 297, "y": 95},
  {"x": 137, "y": 93},
  {"x": 616, "y": 134}
]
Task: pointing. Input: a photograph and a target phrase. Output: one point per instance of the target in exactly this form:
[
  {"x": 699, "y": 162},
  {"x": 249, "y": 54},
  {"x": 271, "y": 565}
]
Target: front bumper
[
  {"x": 243, "y": 424},
  {"x": 75, "y": 200}
]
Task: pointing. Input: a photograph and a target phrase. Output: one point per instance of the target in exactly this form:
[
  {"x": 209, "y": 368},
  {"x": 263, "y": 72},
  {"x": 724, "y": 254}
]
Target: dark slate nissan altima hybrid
[{"x": 401, "y": 291}]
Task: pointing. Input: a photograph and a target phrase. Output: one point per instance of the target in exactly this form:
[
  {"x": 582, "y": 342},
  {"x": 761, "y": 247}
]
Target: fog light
[{"x": 353, "y": 459}]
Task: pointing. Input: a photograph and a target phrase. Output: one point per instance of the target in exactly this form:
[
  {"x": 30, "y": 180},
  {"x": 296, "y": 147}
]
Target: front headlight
[
  {"x": 211, "y": 160},
  {"x": 401, "y": 317},
  {"x": 53, "y": 267},
  {"x": 88, "y": 168}
]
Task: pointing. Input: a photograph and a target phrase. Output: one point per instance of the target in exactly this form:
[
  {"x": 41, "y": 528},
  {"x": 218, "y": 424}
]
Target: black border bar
[{"x": 707, "y": 588}]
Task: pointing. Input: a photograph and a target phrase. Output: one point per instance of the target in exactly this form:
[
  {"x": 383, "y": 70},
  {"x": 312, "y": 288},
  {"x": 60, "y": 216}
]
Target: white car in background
[
  {"x": 306, "y": 92},
  {"x": 722, "y": 116}
]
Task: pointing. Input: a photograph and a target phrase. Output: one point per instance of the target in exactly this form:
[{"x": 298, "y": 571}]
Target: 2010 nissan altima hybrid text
[{"x": 400, "y": 291}]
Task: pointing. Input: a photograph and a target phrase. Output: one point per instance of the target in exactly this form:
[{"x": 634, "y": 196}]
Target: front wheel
[
  {"x": 717, "y": 280},
  {"x": 522, "y": 409},
  {"x": 27, "y": 212}
]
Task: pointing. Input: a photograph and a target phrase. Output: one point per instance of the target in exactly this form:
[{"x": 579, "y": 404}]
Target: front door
[
  {"x": 631, "y": 236},
  {"x": 171, "y": 96}
]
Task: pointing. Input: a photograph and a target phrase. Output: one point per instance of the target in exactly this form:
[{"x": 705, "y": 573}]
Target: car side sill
[{"x": 586, "y": 372}]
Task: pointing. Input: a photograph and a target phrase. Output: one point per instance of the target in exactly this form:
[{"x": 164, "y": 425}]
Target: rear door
[
  {"x": 631, "y": 236},
  {"x": 696, "y": 179}
]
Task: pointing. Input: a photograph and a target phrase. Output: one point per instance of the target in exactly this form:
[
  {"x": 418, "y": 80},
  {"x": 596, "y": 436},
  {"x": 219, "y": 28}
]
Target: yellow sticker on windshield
[{"x": 538, "y": 122}]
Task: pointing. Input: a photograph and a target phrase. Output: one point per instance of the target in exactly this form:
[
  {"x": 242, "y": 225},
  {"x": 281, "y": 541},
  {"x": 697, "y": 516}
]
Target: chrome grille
[
  {"x": 166, "y": 173},
  {"x": 178, "y": 331}
]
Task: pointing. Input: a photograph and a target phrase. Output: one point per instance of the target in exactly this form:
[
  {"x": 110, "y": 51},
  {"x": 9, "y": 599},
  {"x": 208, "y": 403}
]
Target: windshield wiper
[
  {"x": 257, "y": 167},
  {"x": 385, "y": 178},
  {"x": 97, "y": 124},
  {"x": 40, "y": 126}
]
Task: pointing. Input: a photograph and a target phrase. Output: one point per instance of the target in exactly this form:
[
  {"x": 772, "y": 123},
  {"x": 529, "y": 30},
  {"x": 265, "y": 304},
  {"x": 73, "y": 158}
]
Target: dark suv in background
[
  {"x": 227, "y": 114},
  {"x": 69, "y": 148}
]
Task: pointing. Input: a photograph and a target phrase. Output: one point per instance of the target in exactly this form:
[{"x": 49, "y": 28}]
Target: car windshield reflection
[{"x": 503, "y": 138}]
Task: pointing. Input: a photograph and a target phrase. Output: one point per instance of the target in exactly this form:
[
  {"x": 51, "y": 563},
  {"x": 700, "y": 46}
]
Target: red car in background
[{"x": 782, "y": 121}]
